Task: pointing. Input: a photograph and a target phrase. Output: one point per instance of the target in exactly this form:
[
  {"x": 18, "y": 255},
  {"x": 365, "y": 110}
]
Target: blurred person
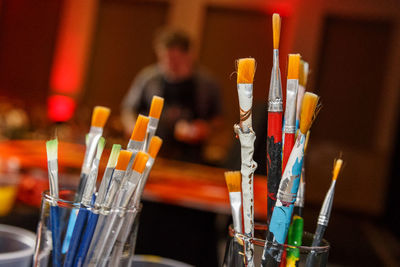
[{"x": 192, "y": 103}]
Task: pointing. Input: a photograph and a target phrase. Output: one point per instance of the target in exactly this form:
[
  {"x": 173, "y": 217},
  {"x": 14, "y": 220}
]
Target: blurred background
[{"x": 60, "y": 58}]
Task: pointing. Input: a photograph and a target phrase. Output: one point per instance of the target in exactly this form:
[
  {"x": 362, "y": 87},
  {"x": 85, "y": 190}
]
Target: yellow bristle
[
  {"x": 233, "y": 181},
  {"x": 293, "y": 66},
  {"x": 139, "y": 164},
  {"x": 276, "y": 29},
  {"x": 123, "y": 160},
  {"x": 308, "y": 107},
  {"x": 155, "y": 145},
  {"x": 303, "y": 73},
  {"x": 245, "y": 70},
  {"x": 100, "y": 116},
  {"x": 139, "y": 132},
  {"x": 156, "y": 107},
  {"x": 307, "y": 139},
  {"x": 336, "y": 169}
]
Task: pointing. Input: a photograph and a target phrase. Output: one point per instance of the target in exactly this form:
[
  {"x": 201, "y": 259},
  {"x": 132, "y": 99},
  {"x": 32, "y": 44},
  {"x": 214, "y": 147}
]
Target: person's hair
[{"x": 172, "y": 38}]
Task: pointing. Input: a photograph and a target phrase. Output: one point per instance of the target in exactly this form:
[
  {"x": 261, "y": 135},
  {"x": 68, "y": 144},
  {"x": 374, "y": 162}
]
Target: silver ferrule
[
  {"x": 91, "y": 183},
  {"x": 52, "y": 166},
  {"x": 326, "y": 208},
  {"x": 151, "y": 131},
  {"x": 125, "y": 192},
  {"x": 291, "y": 105},
  {"x": 105, "y": 181},
  {"x": 91, "y": 144},
  {"x": 116, "y": 180},
  {"x": 301, "y": 192},
  {"x": 134, "y": 147},
  {"x": 236, "y": 207},
  {"x": 142, "y": 183},
  {"x": 245, "y": 93},
  {"x": 275, "y": 99}
]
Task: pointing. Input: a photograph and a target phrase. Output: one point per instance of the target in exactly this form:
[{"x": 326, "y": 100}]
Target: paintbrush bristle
[
  {"x": 100, "y": 116},
  {"x": 139, "y": 163},
  {"x": 303, "y": 73},
  {"x": 307, "y": 139},
  {"x": 233, "y": 181},
  {"x": 52, "y": 149},
  {"x": 100, "y": 147},
  {"x": 276, "y": 29},
  {"x": 246, "y": 68},
  {"x": 139, "y": 132},
  {"x": 112, "y": 160},
  {"x": 336, "y": 169},
  {"x": 123, "y": 160},
  {"x": 156, "y": 107},
  {"x": 308, "y": 107},
  {"x": 155, "y": 145},
  {"x": 293, "y": 66}
]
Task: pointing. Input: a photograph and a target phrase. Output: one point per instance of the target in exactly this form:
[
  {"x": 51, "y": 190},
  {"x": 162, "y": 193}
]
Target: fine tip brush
[
  {"x": 274, "y": 130},
  {"x": 325, "y": 213},
  {"x": 157, "y": 104},
  {"x": 291, "y": 105},
  {"x": 288, "y": 187},
  {"x": 233, "y": 180}
]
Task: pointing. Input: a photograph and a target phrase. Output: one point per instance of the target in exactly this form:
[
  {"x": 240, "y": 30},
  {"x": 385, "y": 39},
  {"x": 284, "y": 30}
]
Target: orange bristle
[
  {"x": 293, "y": 66},
  {"x": 123, "y": 160},
  {"x": 100, "y": 116},
  {"x": 308, "y": 107},
  {"x": 156, "y": 107},
  {"x": 139, "y": 164},
  {"x": 155, "y": 145},
  {"x": 303, "y": 73},
  {"x": 245, "y": 70},
  {"x": 276, "y": 29},
  {"x": 233, "y": 181},
  {"x": 336, "y": 169},
  {"x": 139, "y": 132}
]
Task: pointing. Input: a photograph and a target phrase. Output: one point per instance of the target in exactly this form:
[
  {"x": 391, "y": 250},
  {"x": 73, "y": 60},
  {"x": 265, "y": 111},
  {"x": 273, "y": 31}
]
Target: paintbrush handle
[
  {"x": 287, "y": 148},
  {"x": 86, "y": 239},
  {"x": 55, "y": 235},
  {"x": 319, "y": 233}
]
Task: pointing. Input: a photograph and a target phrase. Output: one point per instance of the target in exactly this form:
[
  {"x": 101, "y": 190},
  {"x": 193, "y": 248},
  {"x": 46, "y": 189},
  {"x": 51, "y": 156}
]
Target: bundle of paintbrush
[{"x": 104, "y": 219}]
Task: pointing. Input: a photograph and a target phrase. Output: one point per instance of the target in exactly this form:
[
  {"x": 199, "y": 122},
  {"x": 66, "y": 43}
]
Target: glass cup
[
  {"x": 113, "y": 233},
  {"x": 234, "y": 253}
]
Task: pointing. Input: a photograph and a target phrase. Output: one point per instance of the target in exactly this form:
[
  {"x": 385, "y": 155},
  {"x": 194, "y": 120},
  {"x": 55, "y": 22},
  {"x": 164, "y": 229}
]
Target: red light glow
[{"x": 60, "y": 108}]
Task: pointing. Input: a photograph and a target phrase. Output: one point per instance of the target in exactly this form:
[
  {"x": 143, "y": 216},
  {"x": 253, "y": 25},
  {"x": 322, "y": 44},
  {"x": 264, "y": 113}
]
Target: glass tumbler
[
  {"x": 234, "y": 253},
  {"x": 115, "y": 229}
]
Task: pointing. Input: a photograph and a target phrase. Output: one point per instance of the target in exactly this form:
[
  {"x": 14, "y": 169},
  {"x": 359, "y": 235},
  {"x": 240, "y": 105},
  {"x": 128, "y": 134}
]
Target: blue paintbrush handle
[
  {"x": 76, "y": 237},
  {"x": 86, "y": 239},
  {"x": 55, "y": 234}
]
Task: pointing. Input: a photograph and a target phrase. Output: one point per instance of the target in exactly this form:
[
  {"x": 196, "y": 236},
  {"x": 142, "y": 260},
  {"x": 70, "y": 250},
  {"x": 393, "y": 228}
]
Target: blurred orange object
[{"x": 30, "y": 190}]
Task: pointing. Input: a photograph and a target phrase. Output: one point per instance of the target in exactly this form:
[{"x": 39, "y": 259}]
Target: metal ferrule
[
  {"x": 128, "y": 186},
  {"x": 92, "y": 141},
  {"x": 236, "y": 207},
  {"x": 52, "y": 166},
  {"x": 142, "y": 182},
  {"x": 245, "y": 93},
  {"x": 151, "y": 130},
  {"x": 326, "y": 208},
  {"x": 300, "y": 193},
  {"x": 275, "y": 102},
  {"x": 134, "y": 147},
  {"x": 291, "y": 105},
  {"x": 104, "y": 186},
  {"x": 91, "y": 183},
  {"x": 114, "y": 187}
]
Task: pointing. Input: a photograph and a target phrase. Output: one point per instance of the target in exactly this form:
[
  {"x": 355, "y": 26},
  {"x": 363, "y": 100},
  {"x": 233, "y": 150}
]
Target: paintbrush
[
  {"x": 52, "y": 166},
  {"x": 292, "y": 85},
  {"x": 300, "y": 198},
  {"x": 288, "y": 187},
  {"x": 94, "y": 215},
  {"x": 324, "y": 214},
  {"x": 245, "y": 71},
  {"x": 295, "y": 237},
  {"x": 274, "y": 130},
  {"x": 156, "y": 107},
  {"x": 114, "y": 222},
  {"x": 233, "y": 181},
  {"x": 154, "y": 147},
  {"x": 85, "y": 205},
  {"x": 115, "y": 183},
  {"x": 303, "y": 77},
  {"x": 137, "y": 141}
]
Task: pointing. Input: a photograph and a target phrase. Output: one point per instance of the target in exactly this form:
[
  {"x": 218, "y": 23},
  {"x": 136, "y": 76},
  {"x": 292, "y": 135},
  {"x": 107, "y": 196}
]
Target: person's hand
[{"x": 191, "y": 132}]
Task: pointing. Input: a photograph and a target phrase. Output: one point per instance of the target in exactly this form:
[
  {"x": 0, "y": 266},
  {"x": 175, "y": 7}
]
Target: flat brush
[
  {"x": 288, "y": 187},
  {"x": 245, "y": 76},
  {"x": 274, "y": 130},
  {"x": 303, "y": 77},
  {"x": 137, "y": 140},
  {"x": 156, "y": 107},
  {"x": 233, "y": 181},
  {"x": 324, "y": 214}
]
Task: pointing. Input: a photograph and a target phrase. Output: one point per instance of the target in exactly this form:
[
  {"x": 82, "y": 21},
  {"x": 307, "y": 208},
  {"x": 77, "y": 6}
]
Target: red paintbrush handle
[
  {"x": 287, "y": 148},
  {"x": 274, "y": 159}
]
